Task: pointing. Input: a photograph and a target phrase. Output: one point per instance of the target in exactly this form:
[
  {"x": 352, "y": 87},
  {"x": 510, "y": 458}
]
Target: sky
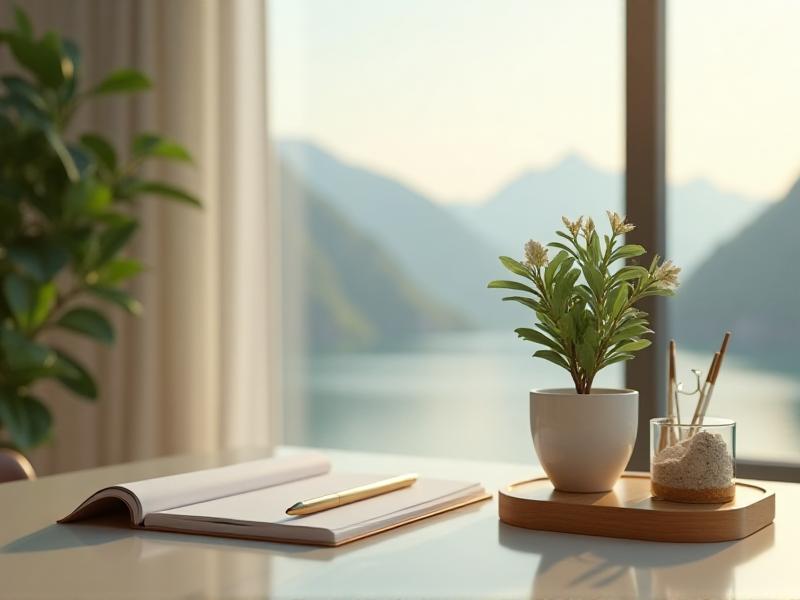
[{"x": 458, "y": 97}]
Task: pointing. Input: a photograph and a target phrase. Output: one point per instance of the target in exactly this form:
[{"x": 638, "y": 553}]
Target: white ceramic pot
[{"x": 584, "y": 441}]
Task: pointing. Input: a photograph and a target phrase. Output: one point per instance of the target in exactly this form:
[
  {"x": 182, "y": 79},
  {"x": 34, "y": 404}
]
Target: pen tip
[{"x": 293, "y": 508}]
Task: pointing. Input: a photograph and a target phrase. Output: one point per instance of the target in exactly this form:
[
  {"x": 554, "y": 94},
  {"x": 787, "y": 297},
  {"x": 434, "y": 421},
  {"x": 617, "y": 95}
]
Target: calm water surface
[{"x": 465, "y": 395}]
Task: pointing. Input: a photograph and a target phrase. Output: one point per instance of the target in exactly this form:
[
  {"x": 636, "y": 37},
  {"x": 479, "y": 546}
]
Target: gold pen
[{"x": 362, "y": 492}]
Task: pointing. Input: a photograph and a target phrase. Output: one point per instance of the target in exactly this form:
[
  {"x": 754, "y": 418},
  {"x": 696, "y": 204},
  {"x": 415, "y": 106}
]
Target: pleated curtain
[{"x": 199, "y": 370}]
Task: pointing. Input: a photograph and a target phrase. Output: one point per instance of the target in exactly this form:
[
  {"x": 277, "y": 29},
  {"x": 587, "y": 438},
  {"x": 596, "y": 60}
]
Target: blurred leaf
[
  {"x": 26, "y": 419},
  {"x": 166, "y": 190},
  {"x": 23, "y": 22},
  {"x": 30, "y": 302},
  {"x": 42, "y": 58},
  {"x": 77, "y": 378},
  {"x": 118, "y": 297},
  {"x": 21, "y": 88},
  {"x": 39, "y": 258},
  {"x": 119, "y": 270},
  {"x": 102, "y": 150},
  {"x": 22, "y": 355},
  {"x": 112, "y": 240},
  {"x": 86, "y": 197},
  {"x": 152, "y": 145},
  {"x": 88, "y": 322},
  {"x": 70, "y": 168},
  {"x": 124, "y": 80}
]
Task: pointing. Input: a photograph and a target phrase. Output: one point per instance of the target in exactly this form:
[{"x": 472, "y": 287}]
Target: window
[
  {"x": 418, "y": 141},
  {"x": 733, "y": 209}
]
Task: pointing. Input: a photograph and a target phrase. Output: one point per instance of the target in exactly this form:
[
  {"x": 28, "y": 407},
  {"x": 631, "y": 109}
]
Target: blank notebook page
[{"x": 269, "y": 505}]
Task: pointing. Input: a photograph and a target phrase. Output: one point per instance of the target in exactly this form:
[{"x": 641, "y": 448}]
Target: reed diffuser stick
[
  {"x": 703, "y": 392},
  {"x": 714, "y": 375},
  {"x": 670, "y": 439}
]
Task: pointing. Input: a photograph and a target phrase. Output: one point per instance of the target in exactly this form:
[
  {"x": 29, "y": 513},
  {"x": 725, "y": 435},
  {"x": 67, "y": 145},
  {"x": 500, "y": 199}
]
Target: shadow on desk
[{"x": 587, "y": 565}]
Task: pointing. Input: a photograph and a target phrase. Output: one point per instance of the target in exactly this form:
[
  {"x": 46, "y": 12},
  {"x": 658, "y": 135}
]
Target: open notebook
[{"x": 249, "y": 500}]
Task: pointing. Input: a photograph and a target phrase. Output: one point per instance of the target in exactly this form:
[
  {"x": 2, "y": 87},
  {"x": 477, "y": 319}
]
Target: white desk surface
[{"x": 464, "y": 554}]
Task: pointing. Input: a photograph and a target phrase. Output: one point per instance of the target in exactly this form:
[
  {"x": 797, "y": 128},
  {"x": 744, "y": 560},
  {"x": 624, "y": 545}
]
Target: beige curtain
[{"x": 198, "y": 371}]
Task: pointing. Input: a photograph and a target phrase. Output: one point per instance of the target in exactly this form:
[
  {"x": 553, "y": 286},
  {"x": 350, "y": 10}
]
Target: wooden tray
[{"x": 629, "y": 511}]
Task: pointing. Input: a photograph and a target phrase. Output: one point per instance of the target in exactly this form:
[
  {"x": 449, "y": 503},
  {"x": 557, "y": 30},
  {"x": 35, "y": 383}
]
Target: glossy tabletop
[{"x": 463, "y": 554}]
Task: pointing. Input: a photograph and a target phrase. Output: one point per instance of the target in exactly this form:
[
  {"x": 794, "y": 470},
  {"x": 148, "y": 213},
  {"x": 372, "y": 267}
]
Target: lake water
[{"x": 465, "y": 395}]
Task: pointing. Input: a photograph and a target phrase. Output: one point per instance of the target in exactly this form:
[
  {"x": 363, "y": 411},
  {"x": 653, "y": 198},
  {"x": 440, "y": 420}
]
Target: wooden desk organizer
[{"x": 629, "y": 511}]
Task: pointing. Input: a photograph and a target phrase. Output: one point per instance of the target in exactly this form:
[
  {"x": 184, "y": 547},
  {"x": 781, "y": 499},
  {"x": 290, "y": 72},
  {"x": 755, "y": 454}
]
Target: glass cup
[{"x": 693, "y": 463}]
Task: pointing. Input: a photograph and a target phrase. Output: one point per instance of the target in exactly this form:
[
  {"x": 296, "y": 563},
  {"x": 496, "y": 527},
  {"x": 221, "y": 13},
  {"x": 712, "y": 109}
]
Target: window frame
[{"x": 645, "y": 203}]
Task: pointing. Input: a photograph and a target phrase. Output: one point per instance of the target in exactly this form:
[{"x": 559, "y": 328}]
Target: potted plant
[
  {"x": 65, "y": 220},
  {"x": 586, "y": 319}
]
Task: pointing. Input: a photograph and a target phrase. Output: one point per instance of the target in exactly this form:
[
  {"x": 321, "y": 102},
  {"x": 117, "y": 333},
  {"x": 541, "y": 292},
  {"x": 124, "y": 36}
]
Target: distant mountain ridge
[
  {"x": 750, "y": 285},
  {"x": 531, "y": 206},
  {"x": 447, "y": 259},
  {"x": 355, "y": 296},
  {"x": 440, "y": 257}
]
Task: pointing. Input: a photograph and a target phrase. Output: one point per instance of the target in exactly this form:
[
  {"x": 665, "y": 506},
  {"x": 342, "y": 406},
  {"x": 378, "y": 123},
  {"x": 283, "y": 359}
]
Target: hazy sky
[{"x": 456, "y": 97}]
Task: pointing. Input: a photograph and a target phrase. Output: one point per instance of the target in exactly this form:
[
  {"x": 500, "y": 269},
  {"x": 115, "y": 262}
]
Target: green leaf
[
  {"x": 30, "y": 302},
  {"x": 563, "y": 247},
  {"x": 151, "y": 145},
  {"x": 42, "y": 58},
  {"x": 594, "y": 278},
  {"x": 112, "y": 240},
  {"x": 119, "y": 270},
  {"x": 118, "y": 297},
  {"x": 102, "y": 150},
  {"x": 618, "y": 299},
  {"x": 23, "y": 22},
  {"x": 529, "y": 302},
  {"x": 124, "y": 80},
  {"x": 86, "y": 197},
  {"x": 511, "y": 285},
  {"x": 70, "y": 168},
  {"x": 38, "y": 258},
  {"x": 633, "y": 346},
  {"x": 158, "y": 188},
  {"x": 627, "y": 333},
  {"x": 564, "y": 287},
  {"x": 615, "y": 359},
  {"x": 88, "y": 322},
  {"x": 23, "y": 354},
  {"x": 628, "y": 251},
  {"x": 553, "y": 357},
  {"x": 630, "y": 272},
  {"x": 552, "y": 267},
  {"x": 538, "y": 337},
  {"x": 586, "y": 358},
  {"x": 27, "y": 420},
  {"x": 76, "y": 377},
  {"x": 516, "y": 267}
]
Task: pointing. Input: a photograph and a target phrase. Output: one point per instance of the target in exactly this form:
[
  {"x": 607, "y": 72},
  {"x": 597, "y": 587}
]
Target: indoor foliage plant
[
  {"x": 586, "y": 319},
  {"x": 65, "y": 218}
]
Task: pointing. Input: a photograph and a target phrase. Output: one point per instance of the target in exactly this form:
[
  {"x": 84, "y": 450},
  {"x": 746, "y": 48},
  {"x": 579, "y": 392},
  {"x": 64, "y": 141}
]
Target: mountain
[
  {"x": 749, "y": 285},
  {"x": 531, "y": 206},
  {"x": 356, "y": 295},
  {"x": 442, "y": 256}
]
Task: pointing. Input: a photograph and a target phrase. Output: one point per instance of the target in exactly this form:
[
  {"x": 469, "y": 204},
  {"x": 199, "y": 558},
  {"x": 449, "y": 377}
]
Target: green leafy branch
[
  {"x": 65, "y": 221},
  {"x": 586, "y": 315}
]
